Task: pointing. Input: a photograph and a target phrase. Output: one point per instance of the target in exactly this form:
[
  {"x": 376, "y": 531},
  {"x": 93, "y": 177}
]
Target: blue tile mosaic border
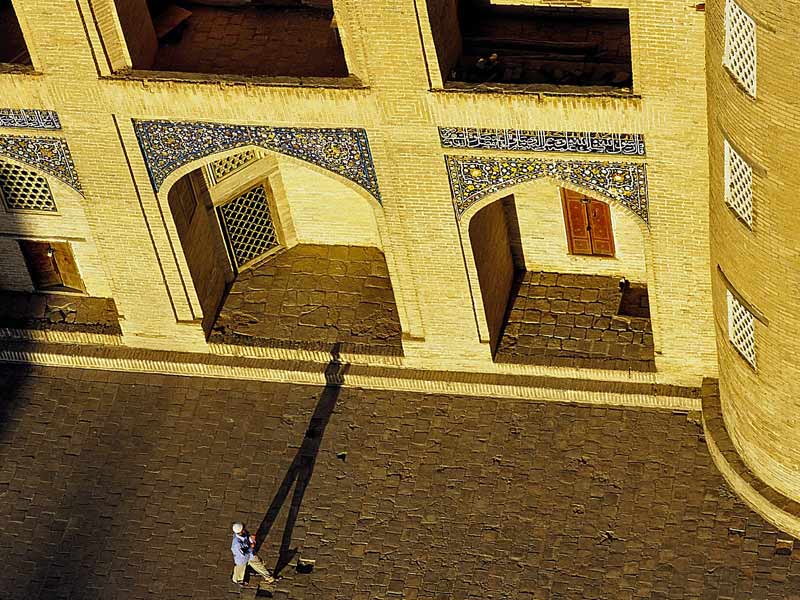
[
  {"x": 588, "y": 142},
  {"x": 168, "y": 145},
  {"x": 31, "y": 118},
  {"x": 473, "y": 178},
  {"x": 49, "y": 154}
]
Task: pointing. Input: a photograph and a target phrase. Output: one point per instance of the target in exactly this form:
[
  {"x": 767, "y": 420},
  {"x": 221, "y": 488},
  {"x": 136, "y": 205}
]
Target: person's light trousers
[{"x": 256, "y": 564}]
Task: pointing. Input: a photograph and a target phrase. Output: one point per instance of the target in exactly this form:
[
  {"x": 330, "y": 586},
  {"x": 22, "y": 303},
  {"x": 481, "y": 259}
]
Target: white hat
[{"x": 238, "y": 527}]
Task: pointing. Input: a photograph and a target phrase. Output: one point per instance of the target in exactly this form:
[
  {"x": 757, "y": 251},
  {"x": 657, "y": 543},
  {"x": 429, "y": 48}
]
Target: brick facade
[
  {"x": 758, "y": 263},
  {"x": 128, "y": 246}
]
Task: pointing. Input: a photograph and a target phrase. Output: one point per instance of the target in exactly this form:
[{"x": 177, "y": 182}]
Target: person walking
[{"x": 243, "y": 549}]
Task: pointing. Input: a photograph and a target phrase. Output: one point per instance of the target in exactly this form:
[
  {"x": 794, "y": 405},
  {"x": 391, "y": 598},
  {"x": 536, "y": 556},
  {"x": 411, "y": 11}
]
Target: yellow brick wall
[
  {"x": 544, "y": 239},
  {"x": 138, "y": 32},
  {"x": 761, "y": 405},
  {"x": 491, "y": 248},
  {"x": 13, "y": 272},
  {"x": 325, "y": 210},
  {"x": 146, "y": 269},
  {"x": 201, "y": 241}
]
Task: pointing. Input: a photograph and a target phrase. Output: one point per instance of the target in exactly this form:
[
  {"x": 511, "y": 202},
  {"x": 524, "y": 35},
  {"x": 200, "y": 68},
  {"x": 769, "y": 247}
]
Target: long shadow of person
[{"x": 302, "y": 467}]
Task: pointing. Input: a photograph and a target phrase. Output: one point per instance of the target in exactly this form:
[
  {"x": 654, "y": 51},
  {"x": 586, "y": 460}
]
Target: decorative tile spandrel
[
  {"x": 473, "y": 178},
  {"x": 49, "y": 154},
  {"x": 168, "y": 145},
  {"x": 586, "y": 142},
  {"x": 29, "y": 118}
]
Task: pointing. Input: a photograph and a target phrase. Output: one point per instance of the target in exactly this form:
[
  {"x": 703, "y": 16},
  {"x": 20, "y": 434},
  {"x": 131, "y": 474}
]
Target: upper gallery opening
[
  {"x": 263, "y": 38},
  {"x": 478, "y": 42},
  {"x": 12, "y": 43}
]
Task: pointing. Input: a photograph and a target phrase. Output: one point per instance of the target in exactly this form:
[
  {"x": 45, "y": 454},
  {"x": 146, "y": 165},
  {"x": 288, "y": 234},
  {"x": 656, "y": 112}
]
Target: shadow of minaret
[{"x": 302, "y": 467}]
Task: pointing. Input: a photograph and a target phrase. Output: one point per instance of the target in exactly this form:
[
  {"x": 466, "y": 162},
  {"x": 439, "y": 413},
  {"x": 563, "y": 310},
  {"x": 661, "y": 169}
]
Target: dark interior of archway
[
  {"x": 12, "y": 43},
  {"x": 533, "y": 45},
  {"x": 264, "y": 38}
]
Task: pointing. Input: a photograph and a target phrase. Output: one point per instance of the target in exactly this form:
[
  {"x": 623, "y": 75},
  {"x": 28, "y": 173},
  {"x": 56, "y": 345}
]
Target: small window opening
[
  {"x": 51, "y": 266},
  {"x": 588, "y": 224},
  {"x": 482, "y": 42},
  {"x": 12, "y": 43}
]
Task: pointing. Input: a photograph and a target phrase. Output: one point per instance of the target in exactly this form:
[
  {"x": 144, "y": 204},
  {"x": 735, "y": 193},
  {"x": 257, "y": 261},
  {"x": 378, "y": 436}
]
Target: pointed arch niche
[
  {"x": 246, "y": 221},
  {"x": 510, "y": 219}
]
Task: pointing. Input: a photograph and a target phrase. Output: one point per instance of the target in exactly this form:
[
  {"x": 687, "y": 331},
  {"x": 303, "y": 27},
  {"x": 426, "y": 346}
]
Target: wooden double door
[{"x": 588, "y": 223}]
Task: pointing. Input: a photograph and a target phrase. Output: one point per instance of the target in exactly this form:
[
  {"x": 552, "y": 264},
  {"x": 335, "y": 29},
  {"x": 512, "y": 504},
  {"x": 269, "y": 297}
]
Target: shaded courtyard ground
[
  {"x": 561, "y": 319},
  {"x": 123, "y": 486},
  {"x": 58, "y": 312},
  {"x": 312, "y": 296}
]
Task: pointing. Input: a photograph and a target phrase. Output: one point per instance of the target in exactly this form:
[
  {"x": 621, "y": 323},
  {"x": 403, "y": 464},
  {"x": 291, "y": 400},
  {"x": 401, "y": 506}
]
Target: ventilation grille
[
  {"x": 23, "y": 190},
  {"x": 741, "y": 329},
  {"x": 738, "y": 185},
  {"x": 740, "y": 46},
  {"x": 249, "y": 226},
  {"x": 220, "y": 169}
]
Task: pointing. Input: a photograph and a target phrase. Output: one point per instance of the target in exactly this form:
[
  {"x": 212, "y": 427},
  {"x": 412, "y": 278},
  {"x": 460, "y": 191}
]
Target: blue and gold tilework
[
  {"x": 168, "y": 145},
  {"x": 49, "y": 154},
  {"x": 473, "y": 178},
  {"x": 578, "y": 142},
  {"x": 29, "y": 118}
]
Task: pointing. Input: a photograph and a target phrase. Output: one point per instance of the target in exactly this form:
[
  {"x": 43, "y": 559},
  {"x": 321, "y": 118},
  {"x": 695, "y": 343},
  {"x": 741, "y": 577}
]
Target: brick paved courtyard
[
  {"x": 312, "y": 296},
  {"x": 562, "y": 319},
  {"x": 123, "y": 486},
  {"x": 58, "y": 312}
]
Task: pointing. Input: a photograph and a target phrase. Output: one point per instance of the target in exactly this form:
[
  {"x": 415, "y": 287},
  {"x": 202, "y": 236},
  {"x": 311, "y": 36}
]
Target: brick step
[{"x": 317, "y": 371}]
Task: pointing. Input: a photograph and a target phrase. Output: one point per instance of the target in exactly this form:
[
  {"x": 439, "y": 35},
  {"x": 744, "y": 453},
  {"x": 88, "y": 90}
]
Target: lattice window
[
  {"x": 738, "y": 185},
  {"x": 220, "y": 169},
  {"x": 740, "y": 46},
  {"x": 248, "y": 223},
  {"x": 21, "y": 189},
  {"x": 741, "y": 329}
]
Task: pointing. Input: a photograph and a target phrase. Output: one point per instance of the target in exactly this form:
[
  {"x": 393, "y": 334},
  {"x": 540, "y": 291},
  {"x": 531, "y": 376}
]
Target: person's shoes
[{"x": 268, "y": 578}]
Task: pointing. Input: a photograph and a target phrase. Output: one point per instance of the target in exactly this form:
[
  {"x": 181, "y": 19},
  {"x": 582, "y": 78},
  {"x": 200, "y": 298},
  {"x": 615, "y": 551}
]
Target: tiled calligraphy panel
[
  {"x": 591, "y": 142},
  {"x": 29, "y": 118}
]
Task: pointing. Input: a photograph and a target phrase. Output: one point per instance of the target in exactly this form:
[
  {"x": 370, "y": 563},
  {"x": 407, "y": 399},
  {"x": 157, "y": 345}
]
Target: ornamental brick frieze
[
  {"x": 29, "y": 118},
  {"x": 587, "y": 142},
  {"x": 48, "y": 154},
  {"x": 473, "y": 178},
  {"x": 168, "y": 145}
]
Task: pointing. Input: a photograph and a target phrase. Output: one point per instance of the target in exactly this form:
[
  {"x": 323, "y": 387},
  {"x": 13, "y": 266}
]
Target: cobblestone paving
[
  {"x": 269, "y": 42},
  {"x": 571, "y": 320},
  {"x": 123, "y": 486},
  {"x": 312, "y": 296},
  {"x": 58, "y": 312}
]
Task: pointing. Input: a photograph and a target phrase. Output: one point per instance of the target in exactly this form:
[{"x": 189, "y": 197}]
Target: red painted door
[
  {"x": 577, "y": 222},
  {"x": 600, "y": 228}
]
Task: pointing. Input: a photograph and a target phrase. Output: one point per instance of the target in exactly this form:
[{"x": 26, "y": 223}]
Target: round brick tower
[{"x": 753, "y": 70}]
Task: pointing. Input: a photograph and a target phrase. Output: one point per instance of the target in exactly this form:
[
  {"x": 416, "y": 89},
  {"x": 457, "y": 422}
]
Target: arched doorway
[
  {"x": 560, "y": 278},
  {"x": 282, "y": 255}
]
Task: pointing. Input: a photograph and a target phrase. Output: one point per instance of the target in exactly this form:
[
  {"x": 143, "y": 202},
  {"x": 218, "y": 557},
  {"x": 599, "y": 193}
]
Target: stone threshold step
[{"x": 522, "y": 386}]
